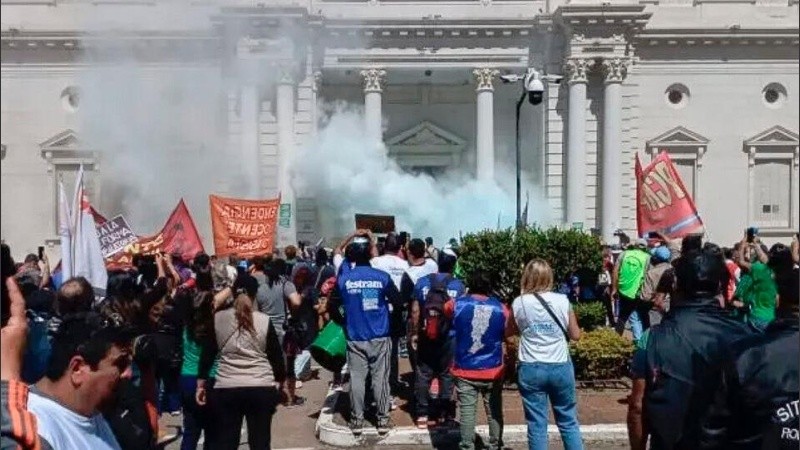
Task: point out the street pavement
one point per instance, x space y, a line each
294 428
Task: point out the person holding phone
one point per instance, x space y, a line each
757 294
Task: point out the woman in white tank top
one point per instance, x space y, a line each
545 322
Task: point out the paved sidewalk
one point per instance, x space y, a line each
292 428
594 406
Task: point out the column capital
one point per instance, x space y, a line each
576 69
373 79
615 69
484 76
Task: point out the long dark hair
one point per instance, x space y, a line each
275 270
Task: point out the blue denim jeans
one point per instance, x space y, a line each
637 327
556 381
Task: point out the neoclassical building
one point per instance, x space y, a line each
712 82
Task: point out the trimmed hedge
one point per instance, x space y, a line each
504 253
601 354
591 315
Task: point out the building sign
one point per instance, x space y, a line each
285 216
114 235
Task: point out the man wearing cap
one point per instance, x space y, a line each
627 281
656 272
365 294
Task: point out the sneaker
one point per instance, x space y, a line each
356 426
298 384
175 413
422 423
385 426
297 401
393 404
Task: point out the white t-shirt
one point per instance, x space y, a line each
67 430
394 265
417 272
541 339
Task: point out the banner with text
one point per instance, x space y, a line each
375 223
114 235
662 202
243 227
178 237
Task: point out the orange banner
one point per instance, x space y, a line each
662 202
243 227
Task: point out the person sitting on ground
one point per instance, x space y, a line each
91 356
480 322
676 365
432 339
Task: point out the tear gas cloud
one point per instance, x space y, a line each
163 133
348 175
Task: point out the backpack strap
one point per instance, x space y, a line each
552 315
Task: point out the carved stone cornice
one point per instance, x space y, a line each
576 70
373 79
615 69
484 76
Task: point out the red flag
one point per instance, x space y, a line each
179 236
662 201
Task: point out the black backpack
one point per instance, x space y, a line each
435 326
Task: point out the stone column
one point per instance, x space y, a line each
485 123
250 106
576 141
373 103
287 234
316 81
611 209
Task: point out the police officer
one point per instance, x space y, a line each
365 294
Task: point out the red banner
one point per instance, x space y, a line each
179 236
243 227
662 202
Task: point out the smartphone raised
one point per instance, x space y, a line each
41 252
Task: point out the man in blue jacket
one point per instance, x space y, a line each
365 294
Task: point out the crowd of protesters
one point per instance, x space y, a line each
226 340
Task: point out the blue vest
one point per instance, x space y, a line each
455 288
366 310
480 331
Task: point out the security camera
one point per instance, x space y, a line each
534 87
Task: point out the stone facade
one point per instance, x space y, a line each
712 82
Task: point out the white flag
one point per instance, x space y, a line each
89 261
65 232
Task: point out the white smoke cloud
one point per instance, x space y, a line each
163 134
347 175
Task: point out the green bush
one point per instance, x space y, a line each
601 354
591 315
504 253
